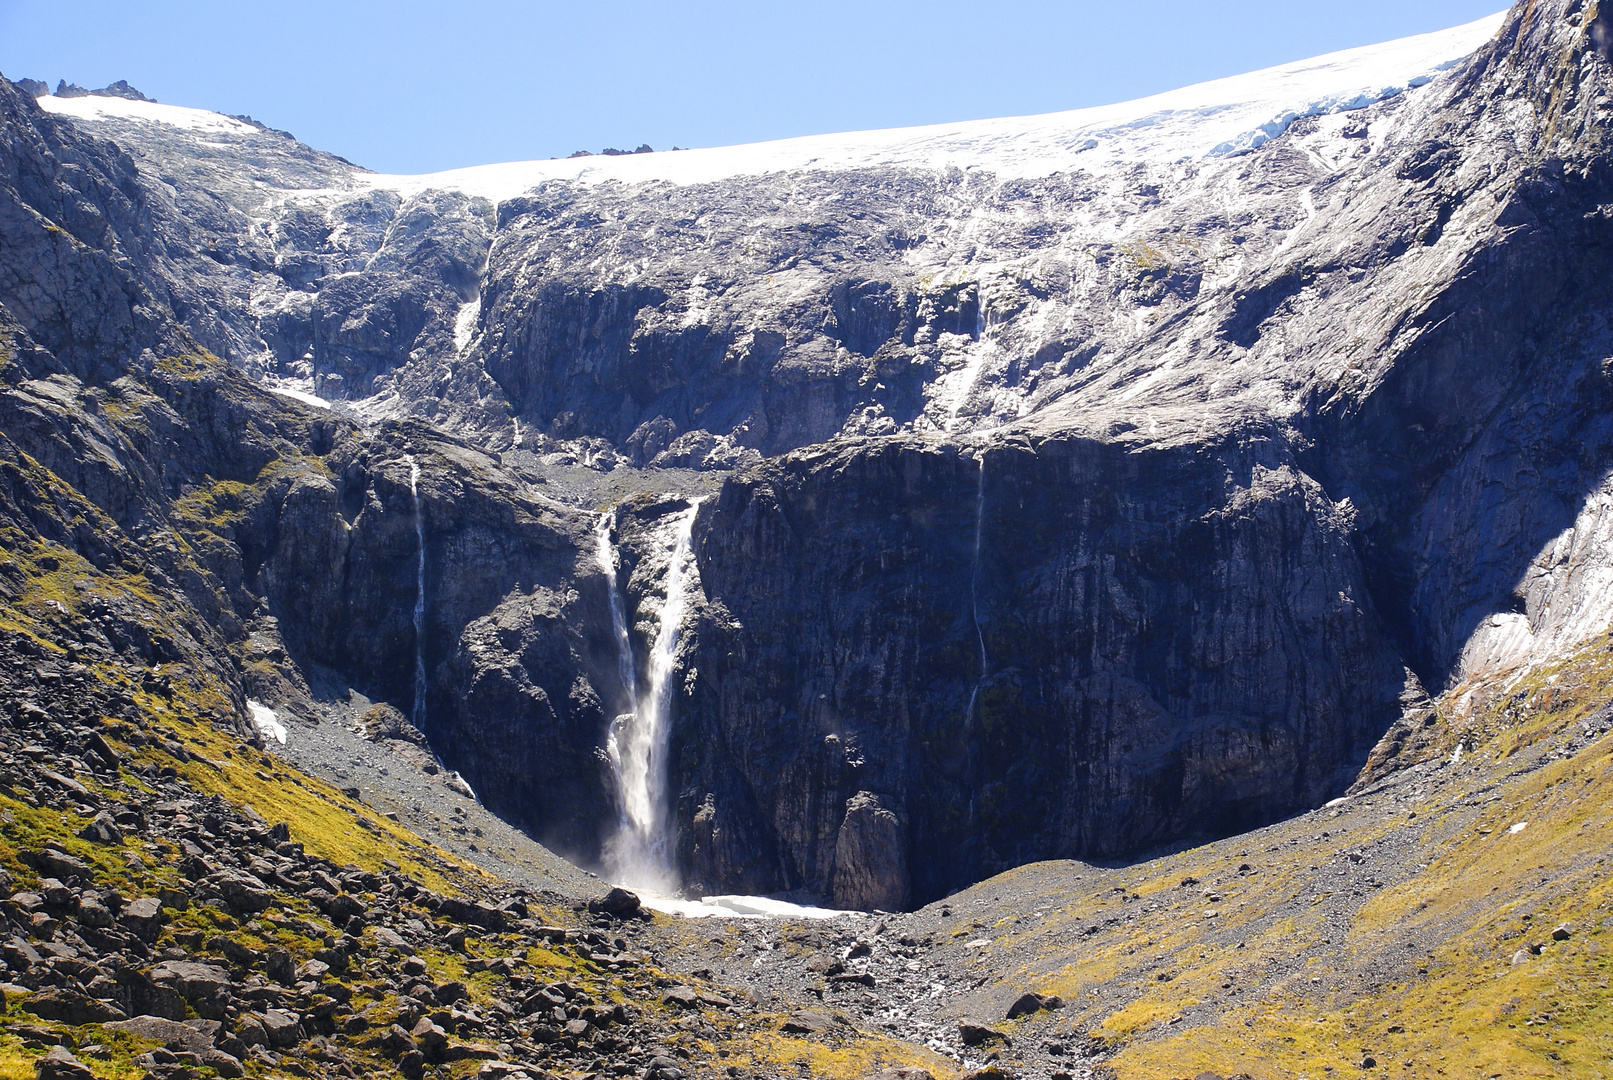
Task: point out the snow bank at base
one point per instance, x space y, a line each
739 907
265 720
1207 120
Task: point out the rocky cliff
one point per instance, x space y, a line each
1076 485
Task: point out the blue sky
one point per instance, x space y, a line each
415 87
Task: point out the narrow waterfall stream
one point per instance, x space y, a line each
639 854
974 582
605 556
419 713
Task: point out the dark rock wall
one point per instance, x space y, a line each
1176 640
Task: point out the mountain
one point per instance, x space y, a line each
1065 486
1145 566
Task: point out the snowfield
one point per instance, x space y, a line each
1212 119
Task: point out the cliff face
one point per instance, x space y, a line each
1038 648
1052 511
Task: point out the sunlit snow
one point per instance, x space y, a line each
739 907
299 395
265 720
1212 119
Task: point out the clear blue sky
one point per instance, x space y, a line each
413 87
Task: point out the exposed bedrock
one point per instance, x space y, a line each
1148 643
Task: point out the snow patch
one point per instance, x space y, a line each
265 720
465 323
1518 828
95 108
298 395
739 907
455 782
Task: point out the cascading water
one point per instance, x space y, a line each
639 855
974 581
605 555
419 717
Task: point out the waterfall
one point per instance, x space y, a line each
419 717
605 555
974 581
639 854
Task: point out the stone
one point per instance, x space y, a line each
92 912
58 864
618 902
806 1022
429 1037
281 1028
60 1064
280 966
871 857
192 980
684 997
70 1007
1026 1004
143 917
241 890
901 1072
251 1032
972 1034
171 1033
1562 933
225 1065
102 830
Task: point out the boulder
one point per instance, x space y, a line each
241 890
1029 1003
70 1007
225 1065
92 912
193 981
431 1039
871 857
281 967
102 830
143 918
618 902
57 864
972 1034
60 1064
281 1028
806 1022
171 1033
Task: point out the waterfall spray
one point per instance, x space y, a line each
419 716
639 854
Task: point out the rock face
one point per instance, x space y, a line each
871 857
1069 505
